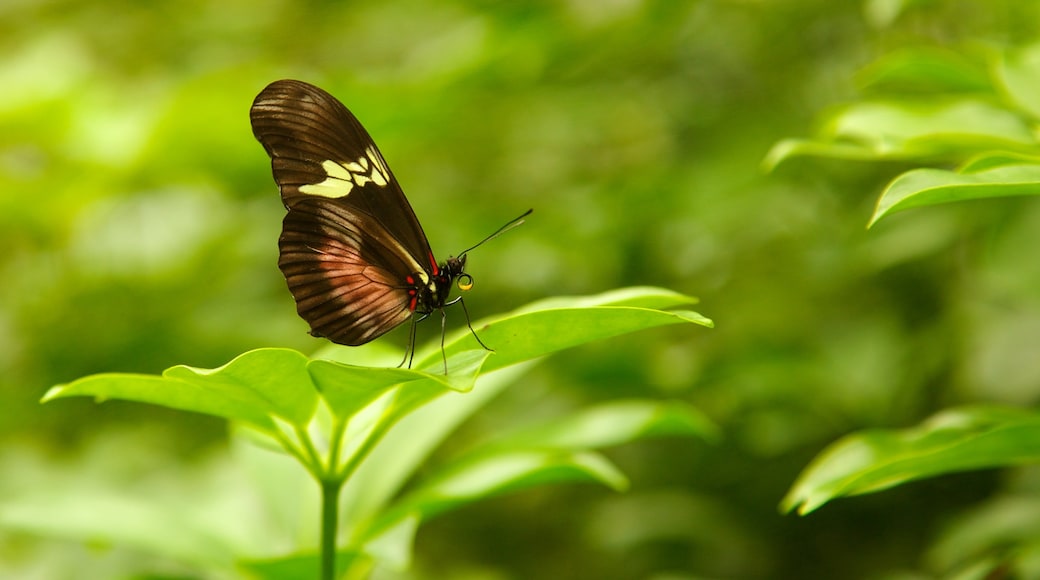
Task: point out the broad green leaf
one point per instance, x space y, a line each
163 391
955 440
350 388
274 377
252 388
559 323
922 187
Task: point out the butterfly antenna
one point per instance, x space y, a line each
512 224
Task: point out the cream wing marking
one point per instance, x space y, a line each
342 177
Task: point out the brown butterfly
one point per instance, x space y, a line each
352 251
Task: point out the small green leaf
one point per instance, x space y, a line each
922 187
952 441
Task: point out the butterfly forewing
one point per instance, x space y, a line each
351 246
319 149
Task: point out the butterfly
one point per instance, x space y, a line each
354 256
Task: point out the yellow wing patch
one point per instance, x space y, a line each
342 177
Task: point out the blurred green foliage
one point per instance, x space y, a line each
139 225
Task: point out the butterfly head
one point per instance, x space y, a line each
454 269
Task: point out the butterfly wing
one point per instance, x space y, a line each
351 245
319 149
344 270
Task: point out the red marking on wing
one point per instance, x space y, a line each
433 265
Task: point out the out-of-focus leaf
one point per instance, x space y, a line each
485 476
922 187
993 159
298 565
952 441
613 423
556 451
904 131
1018 72
925 69
399 453
119 519
1011 520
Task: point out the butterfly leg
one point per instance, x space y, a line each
409 351
444 318
470 325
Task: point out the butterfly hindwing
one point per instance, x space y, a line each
344 270
319 149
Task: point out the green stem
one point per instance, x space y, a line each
330 488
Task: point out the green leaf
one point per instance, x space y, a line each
350 388
922 187
560 323
952 441
275 378
254 387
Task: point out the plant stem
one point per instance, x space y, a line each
330 488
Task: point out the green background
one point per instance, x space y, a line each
138 226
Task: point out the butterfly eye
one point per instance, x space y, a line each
465 282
